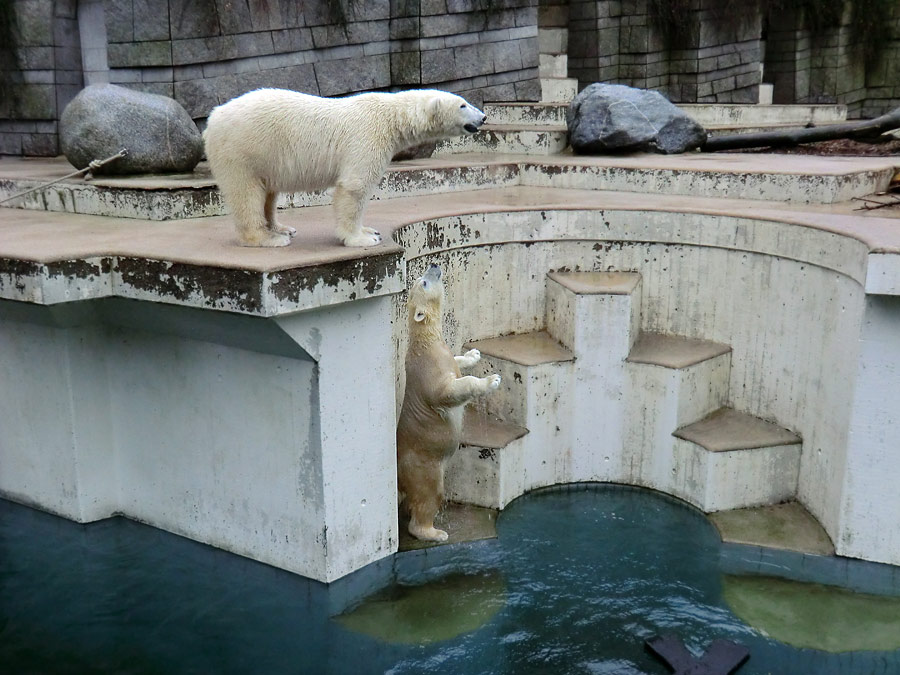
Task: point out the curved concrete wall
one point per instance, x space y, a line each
788 299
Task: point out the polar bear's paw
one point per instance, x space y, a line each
473 355
428 533
266 240
493 382
285 229
363 239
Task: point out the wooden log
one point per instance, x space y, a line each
798 136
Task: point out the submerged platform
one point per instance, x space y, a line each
247 397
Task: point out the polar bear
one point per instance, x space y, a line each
430 424
275 140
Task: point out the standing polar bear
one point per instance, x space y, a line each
275 140
430 424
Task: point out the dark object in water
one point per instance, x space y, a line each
721 658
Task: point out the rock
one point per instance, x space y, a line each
103 118
614 118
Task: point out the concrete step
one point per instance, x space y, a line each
558 88
553 40
462 522
487 469
732 460
787 526
736 114
594 311
499 138
672 382
553 65
596 315
527 114
692 375
536 374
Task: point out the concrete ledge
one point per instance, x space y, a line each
488 164
728 430
674 351
783 526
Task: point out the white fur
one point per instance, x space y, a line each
469 359
275 140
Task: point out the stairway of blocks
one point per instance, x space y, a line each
593 398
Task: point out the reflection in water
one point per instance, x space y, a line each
815 616
433 611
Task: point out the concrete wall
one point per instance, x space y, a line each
792 319
248 434
205 52
873 451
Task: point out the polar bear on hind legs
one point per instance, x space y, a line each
430 424
275 140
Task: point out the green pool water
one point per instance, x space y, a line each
576 581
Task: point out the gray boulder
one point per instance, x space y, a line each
607 118
103 118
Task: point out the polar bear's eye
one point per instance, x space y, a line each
424 284
463 105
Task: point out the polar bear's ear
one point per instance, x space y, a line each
419 316
434 105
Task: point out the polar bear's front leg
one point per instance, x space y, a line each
469 359
463 389
271 210
348 208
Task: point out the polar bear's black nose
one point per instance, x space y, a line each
484 119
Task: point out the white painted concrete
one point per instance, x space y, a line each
660 401
530 140
869 525
268 439
600 330
738 114
553 65
486 477
558 88
716 481
788 300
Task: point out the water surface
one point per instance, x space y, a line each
577 580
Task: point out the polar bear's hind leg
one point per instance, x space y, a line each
348 208
271 211
246 197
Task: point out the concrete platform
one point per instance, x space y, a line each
486 431
528 349
461 522
783 526
673 351
597 283
726 430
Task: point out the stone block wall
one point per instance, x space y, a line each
40 72
619 41
829 66
205 52
883 75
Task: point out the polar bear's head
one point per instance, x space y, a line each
453 115
426 298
